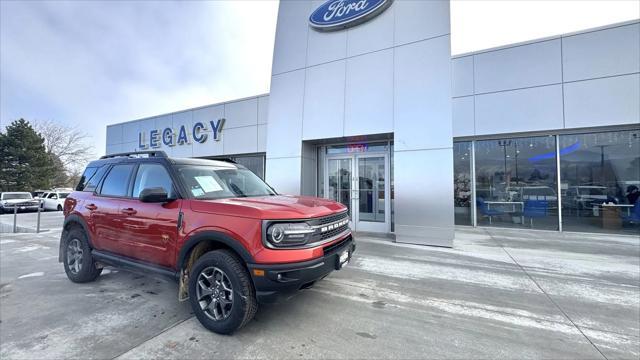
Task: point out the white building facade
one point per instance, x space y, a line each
375 113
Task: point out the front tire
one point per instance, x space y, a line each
59 208
77 259
221 293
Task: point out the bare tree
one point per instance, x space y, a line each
69 144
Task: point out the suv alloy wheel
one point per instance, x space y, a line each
220 291
78 262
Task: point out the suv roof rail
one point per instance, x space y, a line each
225 159
152 153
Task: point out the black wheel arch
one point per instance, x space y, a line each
71 221
214 237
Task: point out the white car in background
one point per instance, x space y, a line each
585 197
54 199
20 200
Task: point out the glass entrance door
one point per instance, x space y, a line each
360 182
339 181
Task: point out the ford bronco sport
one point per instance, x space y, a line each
226 236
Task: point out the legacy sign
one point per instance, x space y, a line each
199 132
340 14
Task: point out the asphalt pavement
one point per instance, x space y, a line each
497 294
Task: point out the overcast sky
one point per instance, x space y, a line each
89 64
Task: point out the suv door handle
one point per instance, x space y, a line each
128 211
91 207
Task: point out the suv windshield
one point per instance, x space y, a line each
16 196
211 182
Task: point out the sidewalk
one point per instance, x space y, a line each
27 221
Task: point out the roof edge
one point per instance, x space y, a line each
191 109
548 38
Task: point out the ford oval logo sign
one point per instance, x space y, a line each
340 14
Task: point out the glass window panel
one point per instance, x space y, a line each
600 177
391 188
462 182
320 181
93 178
516 183
339 181
117 181
371 197
255 163
151 176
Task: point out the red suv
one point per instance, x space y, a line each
228 238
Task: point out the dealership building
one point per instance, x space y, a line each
368 107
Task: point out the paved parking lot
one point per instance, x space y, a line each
496 294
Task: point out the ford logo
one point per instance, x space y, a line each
340 14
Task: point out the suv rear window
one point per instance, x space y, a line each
117 181
86 176
90 178
94 180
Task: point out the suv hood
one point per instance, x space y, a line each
19 201
270 207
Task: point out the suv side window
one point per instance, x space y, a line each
150 176
117 181
88 173
90 183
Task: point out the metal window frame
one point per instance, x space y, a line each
474 214
559 185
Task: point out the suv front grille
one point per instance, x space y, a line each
328 227
331 233
329 219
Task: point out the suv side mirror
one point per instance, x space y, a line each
154 195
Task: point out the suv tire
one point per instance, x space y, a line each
227 297
77 259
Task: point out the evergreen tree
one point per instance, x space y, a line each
24 162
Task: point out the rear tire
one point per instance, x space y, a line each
59 208
77 259
221 292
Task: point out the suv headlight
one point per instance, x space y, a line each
283 234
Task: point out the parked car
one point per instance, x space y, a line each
584 197
54 199
534 192
21 200
226 236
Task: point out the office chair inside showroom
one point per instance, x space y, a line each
535 209
484 209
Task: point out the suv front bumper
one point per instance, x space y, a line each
280 280
20 207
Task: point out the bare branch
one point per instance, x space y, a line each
68 143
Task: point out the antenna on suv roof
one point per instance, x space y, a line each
154 153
